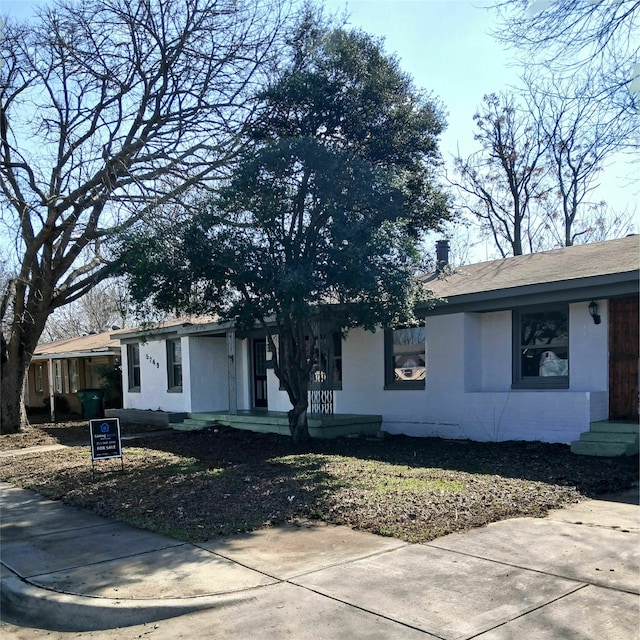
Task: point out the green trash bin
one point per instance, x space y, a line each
92 402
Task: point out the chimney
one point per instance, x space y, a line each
442 255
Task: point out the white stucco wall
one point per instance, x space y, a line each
495 352
153 392
276 399
467 391
243 383
205 376
468 383
209 373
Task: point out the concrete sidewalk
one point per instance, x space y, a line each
574 574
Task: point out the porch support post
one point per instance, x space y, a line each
233 386
52 401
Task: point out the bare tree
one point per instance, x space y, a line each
579 137
566 36
101 309
504 181
110 109
601 223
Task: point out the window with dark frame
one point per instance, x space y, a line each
327 361
541 348
174 364
57 376
39 383
405 358
73 375
133 366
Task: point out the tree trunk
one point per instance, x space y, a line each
13 416
298 424
16 357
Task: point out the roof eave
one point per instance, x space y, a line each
85 353
596 287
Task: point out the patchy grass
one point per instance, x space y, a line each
198 485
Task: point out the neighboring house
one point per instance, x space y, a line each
64 367
534 347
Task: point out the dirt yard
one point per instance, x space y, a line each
198 485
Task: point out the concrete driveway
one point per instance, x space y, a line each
68 573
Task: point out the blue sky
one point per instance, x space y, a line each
446 46
443 44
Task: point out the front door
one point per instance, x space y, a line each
623 358
260 373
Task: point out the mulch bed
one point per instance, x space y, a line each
198 485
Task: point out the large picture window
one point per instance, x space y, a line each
541 348
174 365
133 366
405 358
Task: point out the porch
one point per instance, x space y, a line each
320 426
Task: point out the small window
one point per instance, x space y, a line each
541 348
133 366
174 364
73 375
65 376
57 376
39 384
405 358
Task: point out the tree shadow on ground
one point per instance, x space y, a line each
200 485
533 461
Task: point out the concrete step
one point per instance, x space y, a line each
608 426
328 426
609 438
608 449
193 424
600 436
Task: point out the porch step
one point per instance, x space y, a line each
333 426
608 438
193 424
596 436
606 426
605 449
146 416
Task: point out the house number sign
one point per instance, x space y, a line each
153 361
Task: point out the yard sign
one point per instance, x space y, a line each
105 439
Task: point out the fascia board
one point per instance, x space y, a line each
597 287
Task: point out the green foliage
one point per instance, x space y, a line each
324 211
111 383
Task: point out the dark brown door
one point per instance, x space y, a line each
260 373
623 358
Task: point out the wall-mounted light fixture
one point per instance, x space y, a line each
593 310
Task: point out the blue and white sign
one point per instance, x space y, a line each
105 438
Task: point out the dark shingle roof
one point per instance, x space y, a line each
106 342
589 270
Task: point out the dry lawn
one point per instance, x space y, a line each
198 485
